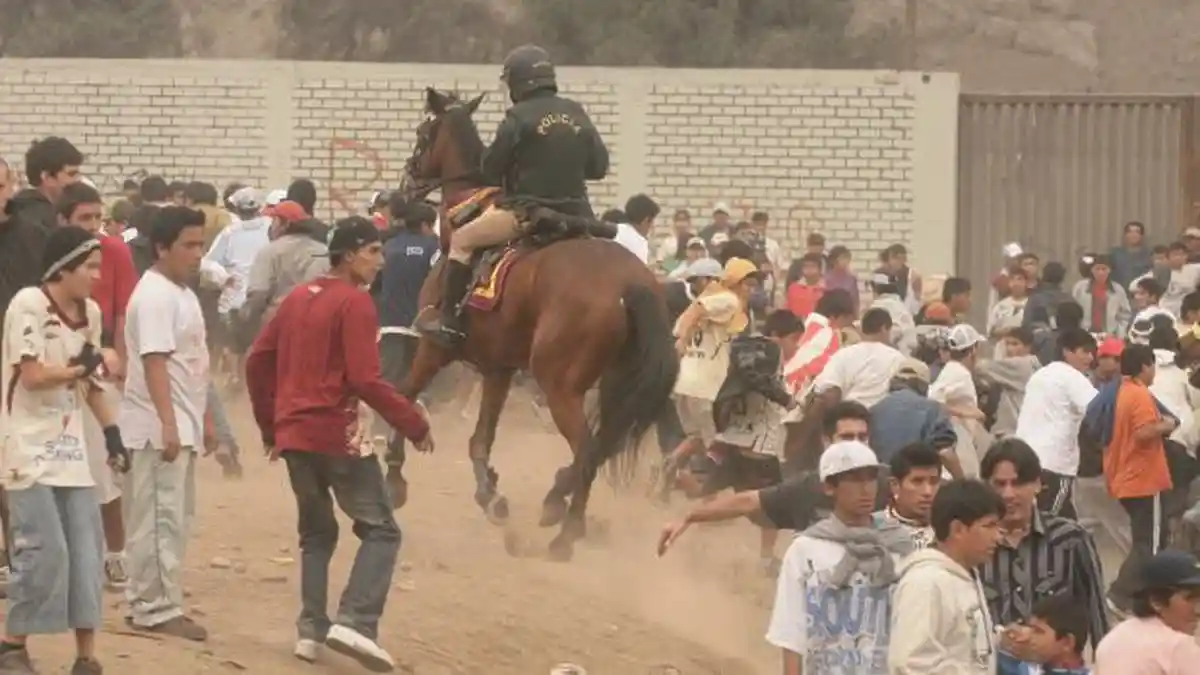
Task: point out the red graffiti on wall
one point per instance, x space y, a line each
344 194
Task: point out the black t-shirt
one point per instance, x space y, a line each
800 501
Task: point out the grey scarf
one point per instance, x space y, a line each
868 549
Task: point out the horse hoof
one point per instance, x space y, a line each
497 510
561 549
553 512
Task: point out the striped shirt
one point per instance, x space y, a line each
1057 556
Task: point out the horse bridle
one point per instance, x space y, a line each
411 186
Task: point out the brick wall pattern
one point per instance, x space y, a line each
838 152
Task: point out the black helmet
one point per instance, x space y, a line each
528 69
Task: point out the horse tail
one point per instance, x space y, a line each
634 391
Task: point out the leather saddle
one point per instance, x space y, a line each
543 226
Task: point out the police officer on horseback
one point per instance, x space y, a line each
545 151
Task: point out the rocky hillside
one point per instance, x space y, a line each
1054 45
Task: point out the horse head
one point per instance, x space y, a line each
448 148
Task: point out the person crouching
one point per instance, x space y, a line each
310 417
746 414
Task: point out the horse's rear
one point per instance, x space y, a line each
588 311
576 313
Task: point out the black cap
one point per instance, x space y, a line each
351 234
1170 569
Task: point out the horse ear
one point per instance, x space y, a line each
473 104
435 102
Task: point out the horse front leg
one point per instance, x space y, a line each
496 386
419 370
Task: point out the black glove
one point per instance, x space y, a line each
89 357
118 454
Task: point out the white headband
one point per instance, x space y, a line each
83 249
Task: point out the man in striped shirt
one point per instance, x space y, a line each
1039 555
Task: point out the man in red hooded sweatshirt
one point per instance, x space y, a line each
312 367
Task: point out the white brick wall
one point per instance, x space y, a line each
822 159
865 157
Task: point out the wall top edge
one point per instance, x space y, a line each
484 73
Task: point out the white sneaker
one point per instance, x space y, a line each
307 650
351 643
115 576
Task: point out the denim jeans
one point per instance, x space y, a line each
396 354
221 424
57 560
358 486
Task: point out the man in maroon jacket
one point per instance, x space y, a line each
311 367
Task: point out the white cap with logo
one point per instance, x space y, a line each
846 456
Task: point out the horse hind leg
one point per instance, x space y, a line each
494 393
571 420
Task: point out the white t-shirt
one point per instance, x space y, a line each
863 372
633 240
43 429
164 318
835 630
954 386
1056 398
705 364
1183 281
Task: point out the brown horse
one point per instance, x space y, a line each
574 312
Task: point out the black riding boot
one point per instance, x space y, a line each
449 330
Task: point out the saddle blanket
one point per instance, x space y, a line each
489 284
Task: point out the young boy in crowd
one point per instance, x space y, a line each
1008 376
803 294
939 613
832 602
745 454
1053 638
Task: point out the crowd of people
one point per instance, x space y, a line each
118 316
944 482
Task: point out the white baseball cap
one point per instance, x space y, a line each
845 456
704 267
963 336
275 197
720 207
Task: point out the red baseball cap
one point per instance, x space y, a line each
1111 347
287 211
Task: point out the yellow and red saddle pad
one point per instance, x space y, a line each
486 293
482 198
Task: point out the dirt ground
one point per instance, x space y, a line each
459 603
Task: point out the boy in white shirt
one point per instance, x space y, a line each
51 352
955 389
833 599
1056 399
863 372
702 335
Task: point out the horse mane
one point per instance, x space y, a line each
462 126
466 134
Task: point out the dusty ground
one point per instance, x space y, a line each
459 603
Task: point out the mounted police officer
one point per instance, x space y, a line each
545 151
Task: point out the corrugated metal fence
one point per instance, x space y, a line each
1061 174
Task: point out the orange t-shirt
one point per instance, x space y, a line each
1135 468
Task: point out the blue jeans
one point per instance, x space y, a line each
358 486
221 424
57 581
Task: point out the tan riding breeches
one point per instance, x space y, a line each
495 226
